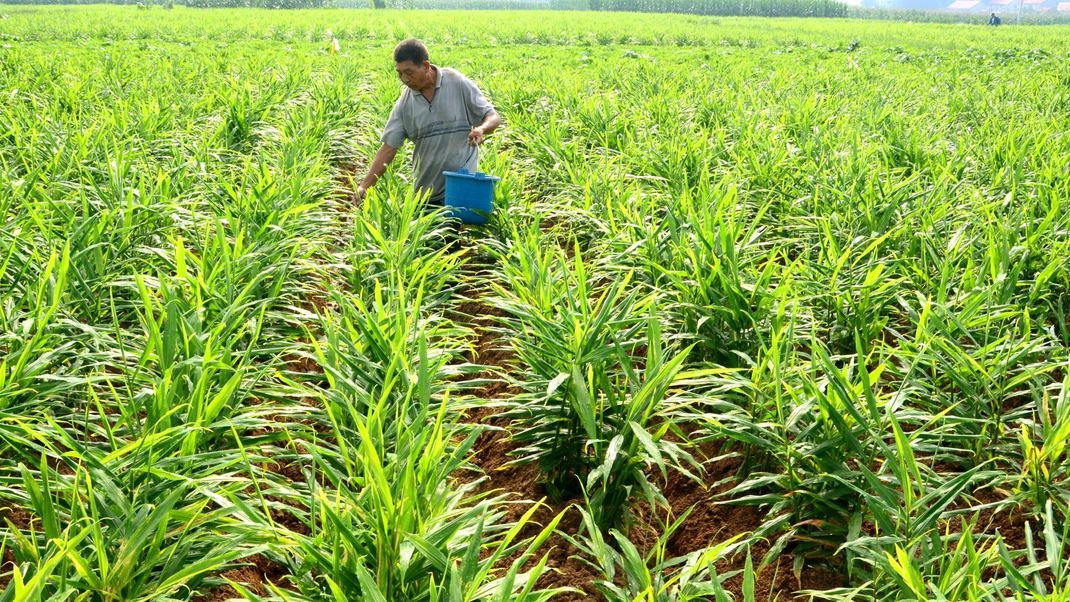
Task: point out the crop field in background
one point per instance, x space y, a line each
768 309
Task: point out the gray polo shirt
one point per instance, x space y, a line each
439 128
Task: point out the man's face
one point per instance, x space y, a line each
414 76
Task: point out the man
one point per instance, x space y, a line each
442 112
994 19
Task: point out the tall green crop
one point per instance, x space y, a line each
813 267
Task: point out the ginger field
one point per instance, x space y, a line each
769 309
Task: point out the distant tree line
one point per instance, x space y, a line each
771 8
130 2
765 8
257 3
193 3
758 8
1030 17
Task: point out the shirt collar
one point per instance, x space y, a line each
438 76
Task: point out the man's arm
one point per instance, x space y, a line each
479 108
478 133
383 158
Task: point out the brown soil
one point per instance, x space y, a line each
1008 521
708 523
277 422
348 177
302 364
288 520
18 517
521 483
262 570
289 471
259 570
491 454
488 348
778 582
258 573
21 519
317 302
58 462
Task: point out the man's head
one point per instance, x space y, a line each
413 64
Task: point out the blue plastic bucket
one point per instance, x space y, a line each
469 196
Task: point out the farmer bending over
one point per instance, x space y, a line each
442 112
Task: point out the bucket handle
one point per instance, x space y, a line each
471 154
463 169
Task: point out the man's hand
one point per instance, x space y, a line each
475 137
382 158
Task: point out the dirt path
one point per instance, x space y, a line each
708 523
493 450
259 570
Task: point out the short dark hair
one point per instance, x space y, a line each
411 50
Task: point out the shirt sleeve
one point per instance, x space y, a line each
394 133
477 104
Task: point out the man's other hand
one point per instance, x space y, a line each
475 137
